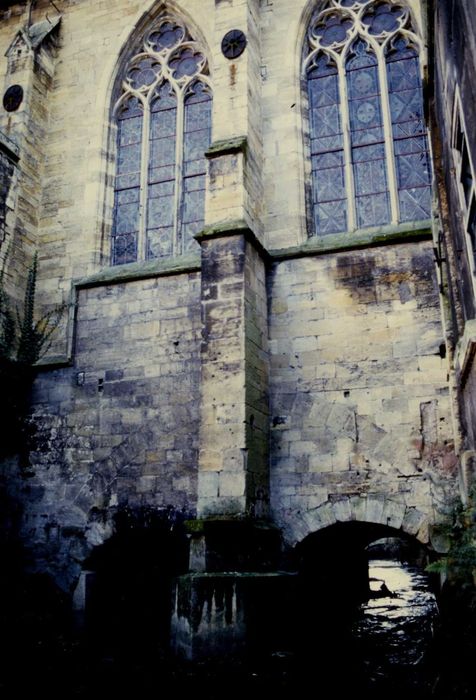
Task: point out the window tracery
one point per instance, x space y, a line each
163 118
368 144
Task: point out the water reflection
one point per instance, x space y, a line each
394 631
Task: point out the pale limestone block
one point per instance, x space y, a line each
208 484
210 460
320 463
232 483
302 447
419 495
306 343
313 520
432 363
310 489
317 499
327 515
413 521
423 534
146 484
342 510
358 506
393 513
374 509
294 529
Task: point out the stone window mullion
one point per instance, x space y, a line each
142 235
349 176
179 144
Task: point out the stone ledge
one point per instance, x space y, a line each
54 362
226 147
139 271
234 227
362 238
465 351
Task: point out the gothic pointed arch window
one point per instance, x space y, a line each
369 155
162 109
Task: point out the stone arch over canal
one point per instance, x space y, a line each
379 510
344 608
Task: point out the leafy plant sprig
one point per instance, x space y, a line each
459 564
24 340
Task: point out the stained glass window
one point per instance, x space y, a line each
127 195
327 155
196 140
367 137
163 116
410 142
368 145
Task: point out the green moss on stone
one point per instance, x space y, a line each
384 235
143 270
230 227
227 146
194 527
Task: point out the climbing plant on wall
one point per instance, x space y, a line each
23 341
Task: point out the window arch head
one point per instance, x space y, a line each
367 138
162 110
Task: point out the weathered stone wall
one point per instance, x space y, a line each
166 401
455 99
222 480
119 429
455 53
29 63
359 395
6 176
257 382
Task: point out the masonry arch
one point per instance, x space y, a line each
336 558
382 510
336 584
315 6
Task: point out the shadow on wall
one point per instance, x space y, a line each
128 599
128 612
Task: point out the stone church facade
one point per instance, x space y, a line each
269 312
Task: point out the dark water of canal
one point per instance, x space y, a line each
384 648
394 631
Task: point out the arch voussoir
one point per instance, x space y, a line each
375 509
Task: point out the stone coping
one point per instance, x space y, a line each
362 238
225 147
119 274
236 227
